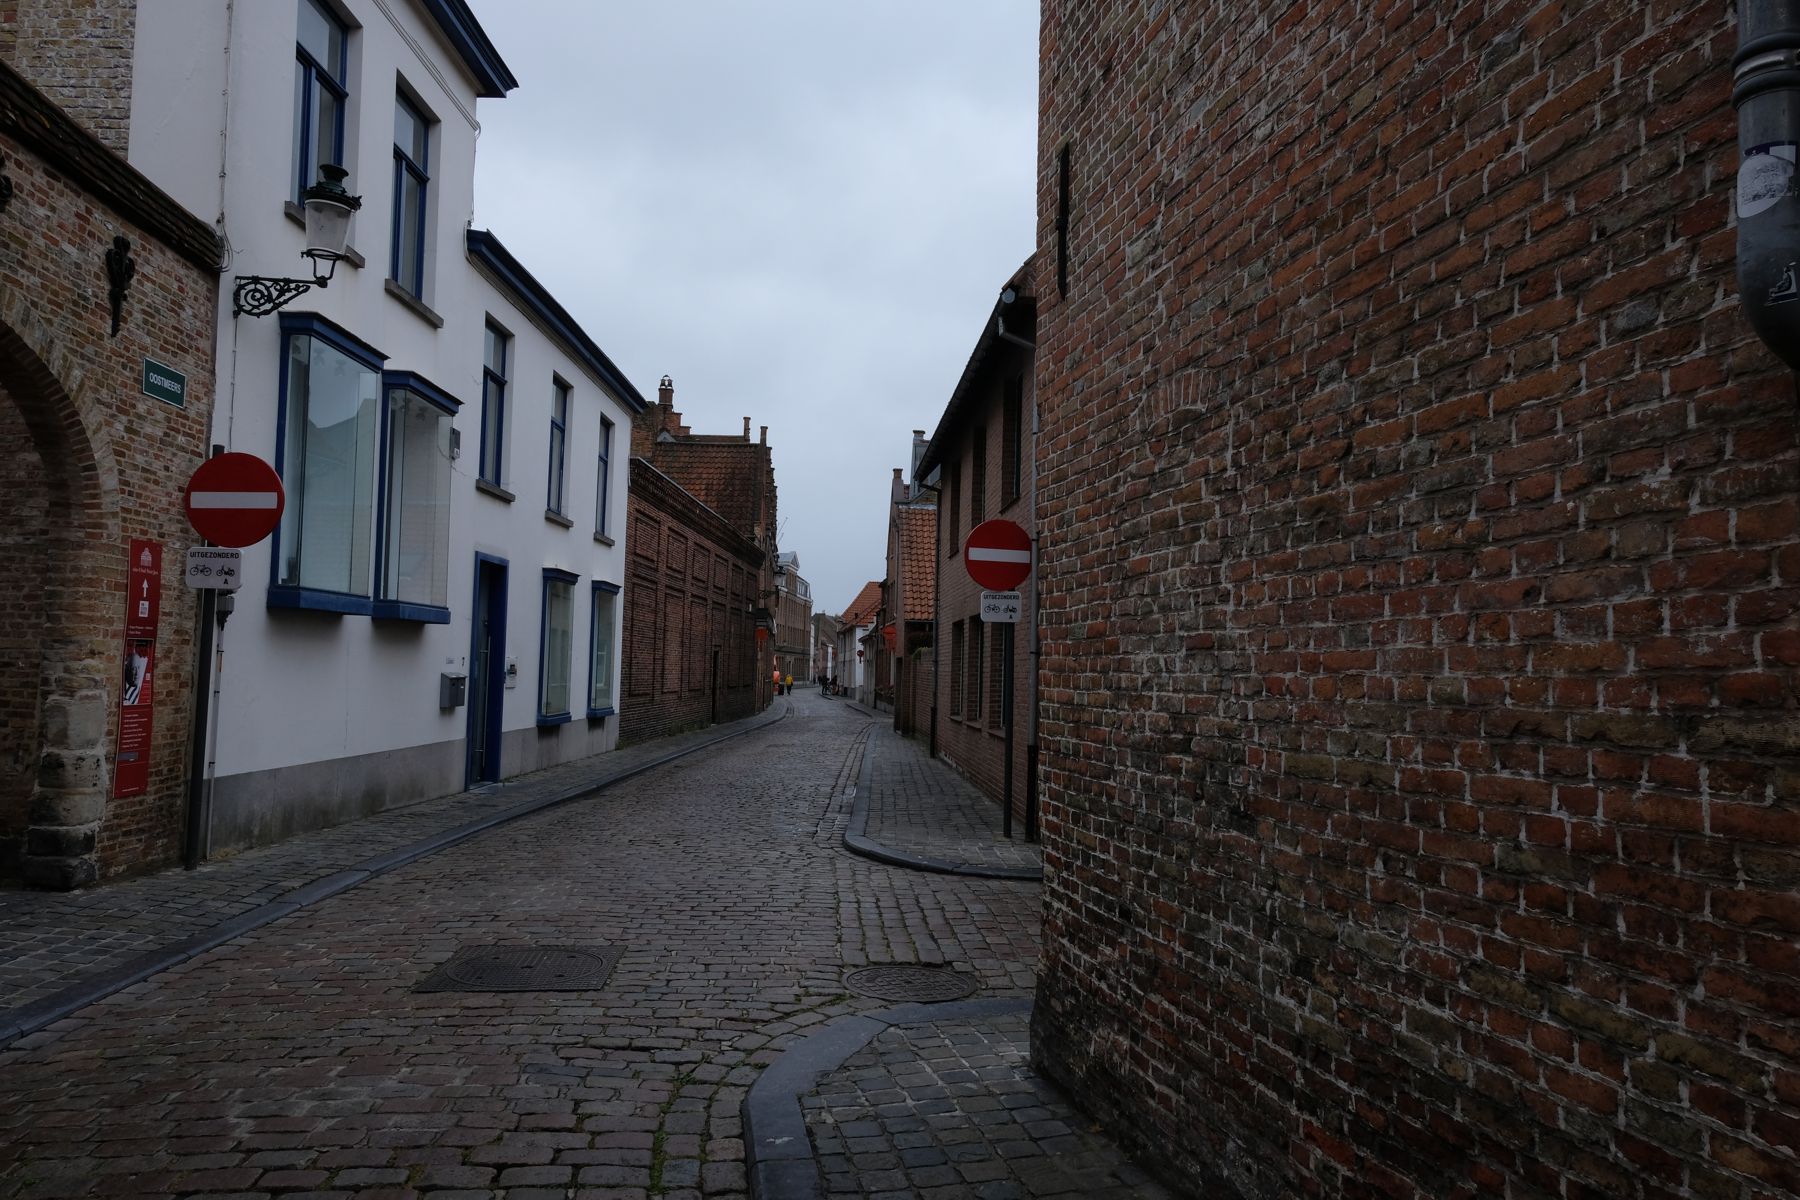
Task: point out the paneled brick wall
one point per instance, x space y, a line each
1420 584
689 586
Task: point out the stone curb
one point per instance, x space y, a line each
857 841
30 1018
778 1153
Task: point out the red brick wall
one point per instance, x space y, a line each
974 742
24 542
91 462
1419 559
688 589
78 53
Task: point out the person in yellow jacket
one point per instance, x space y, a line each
790 683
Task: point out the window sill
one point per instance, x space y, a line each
604 540
600 714
552 720
556 518
399 610
315 600
409 301
494 490
297 215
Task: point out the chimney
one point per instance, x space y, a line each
665 392
746 429
764 440
918 455
900 492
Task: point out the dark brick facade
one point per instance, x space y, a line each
690 648
87 462
78 54
1419 561
982 452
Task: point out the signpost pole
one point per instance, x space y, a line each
202 720
1006 698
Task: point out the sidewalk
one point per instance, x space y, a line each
927 1101
62 951
912 810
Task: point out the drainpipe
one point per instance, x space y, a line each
1766 94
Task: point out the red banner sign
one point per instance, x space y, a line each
143 608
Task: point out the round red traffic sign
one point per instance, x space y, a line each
997 555
234 499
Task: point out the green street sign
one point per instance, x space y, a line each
165 383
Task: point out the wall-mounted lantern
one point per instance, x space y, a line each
329 207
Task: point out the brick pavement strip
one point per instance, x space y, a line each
298 1055
62 951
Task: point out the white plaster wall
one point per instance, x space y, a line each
303 687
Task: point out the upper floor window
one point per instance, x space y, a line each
602 509
493 404
412 180
321 89
330 441
1012 437
978 477
559 447
953 511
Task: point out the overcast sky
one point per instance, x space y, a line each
801 211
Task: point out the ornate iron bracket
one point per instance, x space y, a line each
120 268
6 186
260 295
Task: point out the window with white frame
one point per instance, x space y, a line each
556 646
603 630
603 480
493 404
415 554
558 476
321 94
412 181
330 441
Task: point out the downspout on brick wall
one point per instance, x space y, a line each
1766 95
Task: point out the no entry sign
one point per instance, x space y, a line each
234 499
998 555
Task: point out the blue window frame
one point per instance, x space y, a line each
603 628
603 477
327 450
556 646
414 521
412 182
559 447
493 404
321 93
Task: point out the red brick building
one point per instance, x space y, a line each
1418 547
701 581
101 276
981 454
908 601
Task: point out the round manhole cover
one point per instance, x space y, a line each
524 969
922 985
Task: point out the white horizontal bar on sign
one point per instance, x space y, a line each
233 500
988 554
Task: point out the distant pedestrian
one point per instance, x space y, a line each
790 683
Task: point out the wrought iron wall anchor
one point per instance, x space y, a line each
6 186
120 267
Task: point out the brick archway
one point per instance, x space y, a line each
57 632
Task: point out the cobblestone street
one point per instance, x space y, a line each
298 1060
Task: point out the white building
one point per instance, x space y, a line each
439 605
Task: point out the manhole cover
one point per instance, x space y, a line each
524 969
923 985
